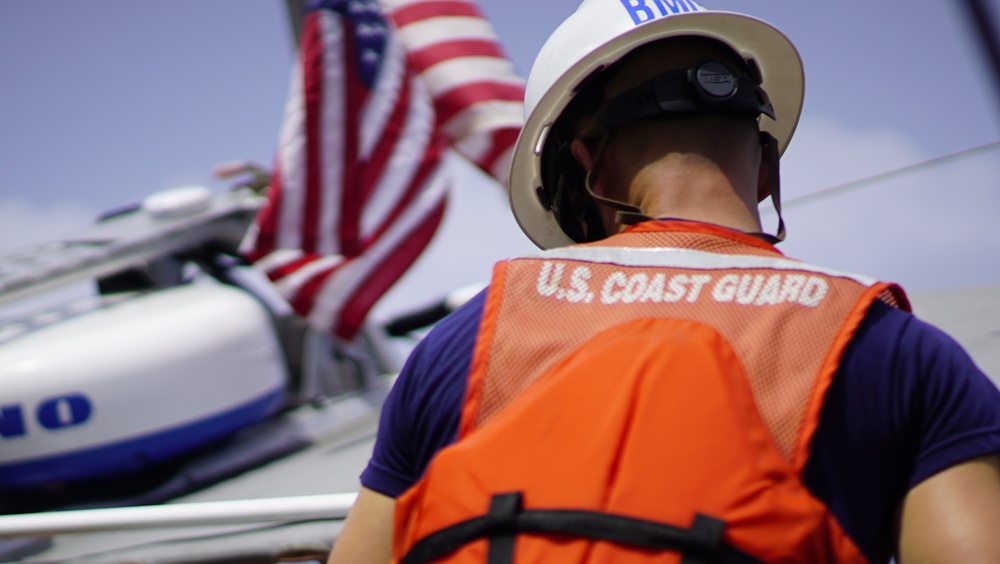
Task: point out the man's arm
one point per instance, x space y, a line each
953 515
367 533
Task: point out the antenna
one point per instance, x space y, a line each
296 10
982 19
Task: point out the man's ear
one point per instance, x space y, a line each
582 154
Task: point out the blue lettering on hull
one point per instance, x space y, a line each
134 454
53 413
11 421
65 411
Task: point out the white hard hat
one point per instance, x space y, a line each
600 33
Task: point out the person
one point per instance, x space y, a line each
661 383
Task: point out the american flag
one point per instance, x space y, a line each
379 92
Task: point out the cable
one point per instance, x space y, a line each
825 192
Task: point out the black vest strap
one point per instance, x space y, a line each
701 544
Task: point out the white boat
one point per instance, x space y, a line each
185 379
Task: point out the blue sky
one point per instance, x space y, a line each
106 101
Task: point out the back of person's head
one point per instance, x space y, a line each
717 135
650 71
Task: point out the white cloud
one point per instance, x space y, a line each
931 228
824 153
926 229
23 224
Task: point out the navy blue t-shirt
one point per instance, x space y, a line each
906 403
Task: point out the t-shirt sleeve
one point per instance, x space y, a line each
954 407
421 414
906 403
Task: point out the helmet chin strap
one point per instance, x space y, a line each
770 145
627 214
623 210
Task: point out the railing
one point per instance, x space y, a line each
264 510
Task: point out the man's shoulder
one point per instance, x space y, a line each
906 402
421 414
924 386
891 329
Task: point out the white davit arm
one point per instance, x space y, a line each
166 222
265 510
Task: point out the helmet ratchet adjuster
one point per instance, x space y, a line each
711 86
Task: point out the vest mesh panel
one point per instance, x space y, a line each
535 332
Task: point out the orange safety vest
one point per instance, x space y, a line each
647 398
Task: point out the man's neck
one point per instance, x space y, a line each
695 194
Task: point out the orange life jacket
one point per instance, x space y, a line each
650 397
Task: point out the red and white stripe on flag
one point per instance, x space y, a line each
478 95
358 188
